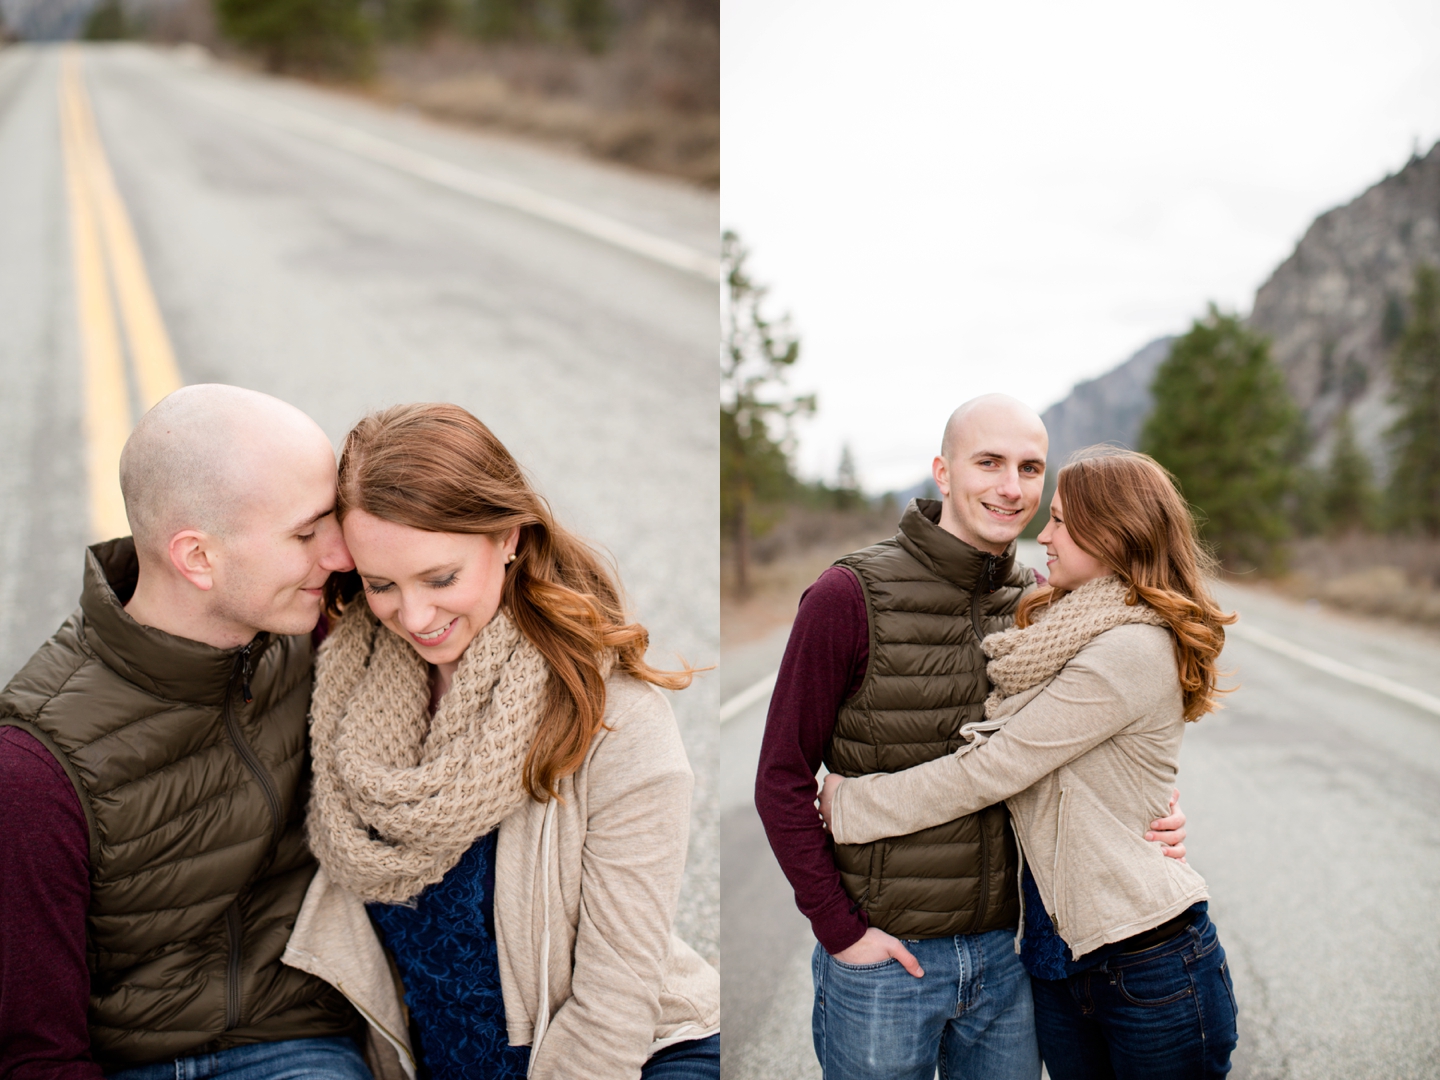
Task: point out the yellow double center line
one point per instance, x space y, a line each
102 239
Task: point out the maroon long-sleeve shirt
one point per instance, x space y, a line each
44 895
825 662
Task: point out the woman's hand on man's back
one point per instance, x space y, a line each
1170 831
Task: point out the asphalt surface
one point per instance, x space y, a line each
1313 805
288 257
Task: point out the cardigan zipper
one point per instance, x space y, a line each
982 909
247 755
235 930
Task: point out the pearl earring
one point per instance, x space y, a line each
509 558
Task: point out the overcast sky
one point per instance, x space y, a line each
952 198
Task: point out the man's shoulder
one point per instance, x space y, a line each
881 549
837 584
834 603
48 671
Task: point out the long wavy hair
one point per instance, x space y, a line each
1126 510
436 467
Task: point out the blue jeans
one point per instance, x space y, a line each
1167 1013
293 1059
696 1059
970 1015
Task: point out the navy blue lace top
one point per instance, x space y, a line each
1044 952
445 947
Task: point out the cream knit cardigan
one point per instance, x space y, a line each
593 977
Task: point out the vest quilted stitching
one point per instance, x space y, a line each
924 680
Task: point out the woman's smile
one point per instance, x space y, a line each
435 637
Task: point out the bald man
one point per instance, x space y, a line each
152 764
915 966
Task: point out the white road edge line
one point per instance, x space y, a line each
1390 687
747 697
487 188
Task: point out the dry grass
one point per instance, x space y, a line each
1389 577
788 559
652 100
1395 577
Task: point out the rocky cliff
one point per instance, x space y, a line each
1332 310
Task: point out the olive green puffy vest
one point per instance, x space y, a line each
927 593
195 804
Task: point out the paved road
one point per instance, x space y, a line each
1313 805
285 257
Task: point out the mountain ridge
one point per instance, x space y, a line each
1332 311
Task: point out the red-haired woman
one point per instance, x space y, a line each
1092 690
497 777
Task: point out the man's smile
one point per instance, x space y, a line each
1001 511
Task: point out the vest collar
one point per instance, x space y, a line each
946 555
170 667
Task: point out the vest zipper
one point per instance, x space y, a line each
234 929
247 755
233 924
986 578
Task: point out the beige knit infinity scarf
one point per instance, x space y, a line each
399 796
1020 659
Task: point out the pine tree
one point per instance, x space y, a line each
848 495
755 411
312 35
1414 494
591 23
1224 423
1350 501
413 20
106 23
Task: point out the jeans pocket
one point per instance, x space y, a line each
864 967
1161 981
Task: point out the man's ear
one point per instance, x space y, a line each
941 472
191 554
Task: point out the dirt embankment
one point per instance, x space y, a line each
1389 577
1394 577
650 100
788 559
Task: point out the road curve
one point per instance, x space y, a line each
285 261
